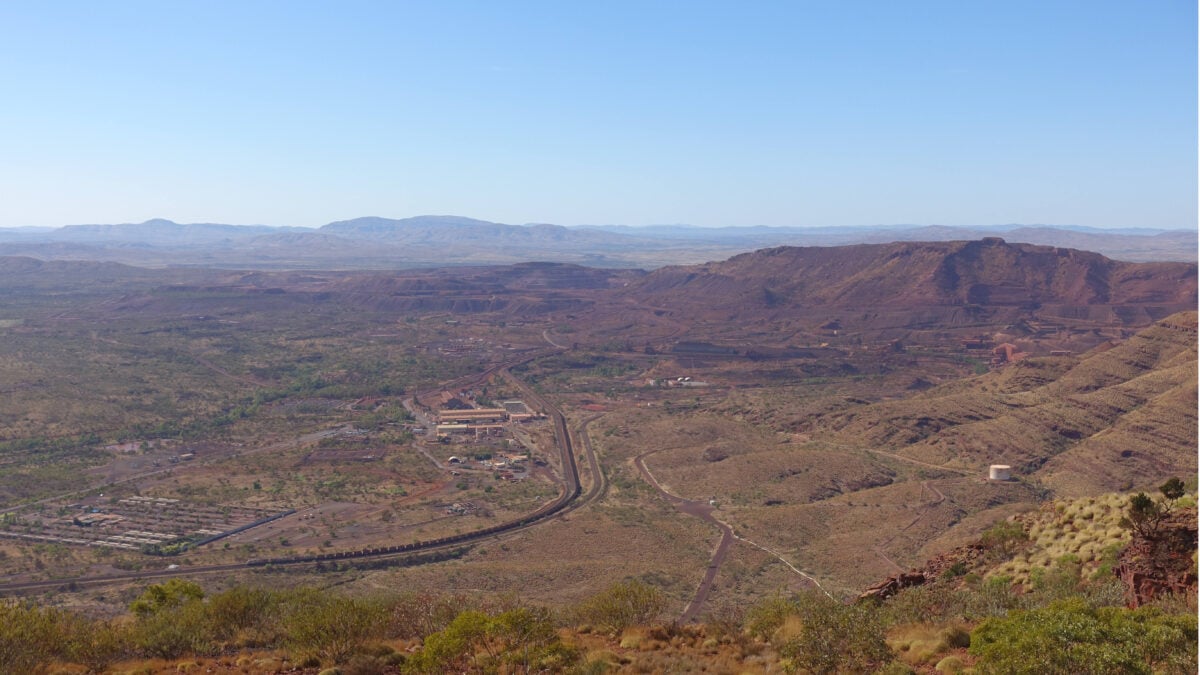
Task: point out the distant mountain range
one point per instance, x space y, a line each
423 241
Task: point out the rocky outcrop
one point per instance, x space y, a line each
953 563
1160 562
893 585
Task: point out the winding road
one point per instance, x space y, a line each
703 511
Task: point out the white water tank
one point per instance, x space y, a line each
1000 472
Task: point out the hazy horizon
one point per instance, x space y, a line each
978 226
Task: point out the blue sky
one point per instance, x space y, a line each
711 113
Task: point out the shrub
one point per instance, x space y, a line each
417 615
725 621
1071 637
174 631
768 616
331 628
93 643
1057 582
958 569
1004 538
246 616
522 637
940 602
171 593
524 634
833 637
622 605
29 637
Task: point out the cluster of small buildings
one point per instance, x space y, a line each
1001 354
1006 353
100 519
505 460
481 421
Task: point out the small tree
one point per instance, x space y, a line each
172 593
1173 489
1146 514
1004 539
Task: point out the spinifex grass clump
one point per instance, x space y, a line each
1086 531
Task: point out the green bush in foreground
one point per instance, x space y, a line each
816 634
475 641
1071 637
624 604
1062 624
175 631
29 637
94 643
169 594
331 628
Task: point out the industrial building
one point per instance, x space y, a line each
472 416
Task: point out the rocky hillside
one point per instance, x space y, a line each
1083 539
971 277
1120 416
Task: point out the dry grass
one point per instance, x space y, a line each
922 646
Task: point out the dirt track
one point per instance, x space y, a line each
703 511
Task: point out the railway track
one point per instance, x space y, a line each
568 500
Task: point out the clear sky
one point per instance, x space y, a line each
804 113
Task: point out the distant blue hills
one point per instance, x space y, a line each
382 243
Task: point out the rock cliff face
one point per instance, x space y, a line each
1161 562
